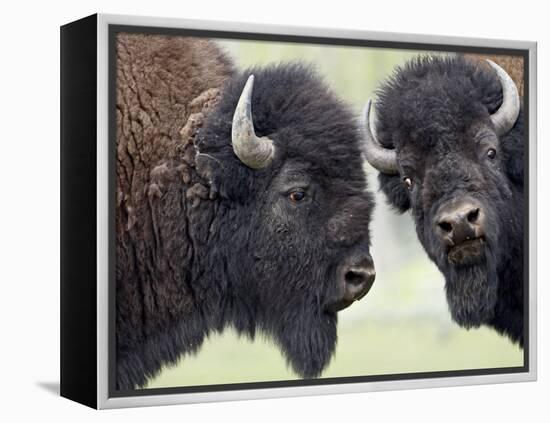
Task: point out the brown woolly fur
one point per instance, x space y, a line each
205 242
164 86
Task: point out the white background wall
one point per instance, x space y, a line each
29 209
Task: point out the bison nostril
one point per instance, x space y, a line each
354 278
358 281
445 226
473 215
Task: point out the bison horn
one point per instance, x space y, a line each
505 117
255 152
382 159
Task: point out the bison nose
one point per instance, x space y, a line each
358 278
460 221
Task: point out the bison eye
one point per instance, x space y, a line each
491 153
408 182
297 196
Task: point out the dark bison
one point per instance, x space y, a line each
241 202
448 142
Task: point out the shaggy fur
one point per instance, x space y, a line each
203 241
435 112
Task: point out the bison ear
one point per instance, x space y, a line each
395 192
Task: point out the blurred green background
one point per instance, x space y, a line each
403 324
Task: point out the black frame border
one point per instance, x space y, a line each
114 29
78 211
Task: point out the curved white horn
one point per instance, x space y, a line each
253 151
505 117
382 159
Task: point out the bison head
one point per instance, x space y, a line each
284 156
448 145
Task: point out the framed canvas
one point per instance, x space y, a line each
252 211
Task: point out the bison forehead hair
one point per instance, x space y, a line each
435 113
298 111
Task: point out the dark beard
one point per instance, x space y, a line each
472 292
308 342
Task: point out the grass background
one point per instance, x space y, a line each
403 324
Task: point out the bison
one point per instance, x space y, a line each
241 202
448 142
